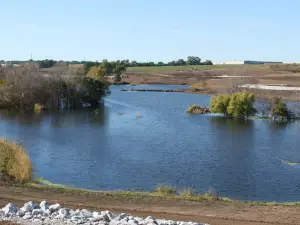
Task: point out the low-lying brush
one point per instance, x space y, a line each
196 109
187 192
14 161
165 189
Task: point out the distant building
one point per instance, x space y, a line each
249 62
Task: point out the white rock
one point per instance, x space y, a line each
86 213
47 213
28 206
96 214
36 212
20 213
53 215
27 217
9 209
121 216
64 212
55 207
44 205
109 214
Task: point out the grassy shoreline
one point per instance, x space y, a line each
141 196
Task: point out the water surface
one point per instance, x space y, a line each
137 140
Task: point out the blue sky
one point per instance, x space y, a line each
150 30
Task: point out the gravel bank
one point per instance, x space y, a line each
43 213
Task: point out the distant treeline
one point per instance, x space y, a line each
47 63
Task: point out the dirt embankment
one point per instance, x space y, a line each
212 212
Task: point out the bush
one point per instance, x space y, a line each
14 161
196 109
278 107
187 192
241 105
219 104
199 86
164 189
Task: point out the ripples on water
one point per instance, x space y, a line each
137 140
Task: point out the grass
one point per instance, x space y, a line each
14 161
165 189
187 192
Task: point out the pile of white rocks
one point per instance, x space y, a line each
43 213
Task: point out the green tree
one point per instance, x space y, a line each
193 60
279 108
219 104
241 105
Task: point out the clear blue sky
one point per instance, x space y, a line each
150 30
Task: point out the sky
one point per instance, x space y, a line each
150 30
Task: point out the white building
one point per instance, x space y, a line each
249 62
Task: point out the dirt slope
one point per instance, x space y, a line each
214 213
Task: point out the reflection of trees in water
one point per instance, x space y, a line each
63 118
236 125
79 117
22 117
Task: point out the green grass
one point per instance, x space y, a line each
14 161
164 192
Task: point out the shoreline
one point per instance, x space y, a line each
211 211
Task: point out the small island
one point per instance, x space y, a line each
196 109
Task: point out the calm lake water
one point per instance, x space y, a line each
140 139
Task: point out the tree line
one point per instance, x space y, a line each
47 63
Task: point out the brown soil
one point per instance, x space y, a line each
259 75
212 212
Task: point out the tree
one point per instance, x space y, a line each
96 72
193 60
279 108
219 104
241 105
118 69
180 62
207 62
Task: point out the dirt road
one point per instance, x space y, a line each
212 212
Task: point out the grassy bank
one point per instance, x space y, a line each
14 161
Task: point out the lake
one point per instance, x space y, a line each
137 140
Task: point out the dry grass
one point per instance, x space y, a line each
187 192
14 161
165 189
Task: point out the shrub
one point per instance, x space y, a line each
219 104
187 192
14 161
279 108
25 86
241 105
199 86
196 109
164 189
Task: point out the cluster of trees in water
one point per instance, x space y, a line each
47 63
241 105
26 87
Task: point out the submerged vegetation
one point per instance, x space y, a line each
14 161
239 104
196 109
25 87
